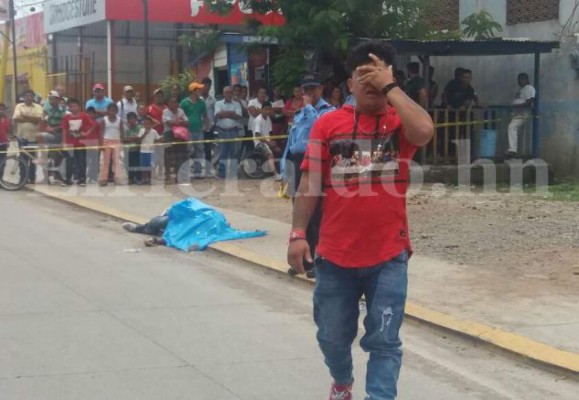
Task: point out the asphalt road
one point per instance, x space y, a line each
86 312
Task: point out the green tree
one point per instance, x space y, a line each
323 30
481 26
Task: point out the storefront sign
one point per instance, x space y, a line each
60 15
187 11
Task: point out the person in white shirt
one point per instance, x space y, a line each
262 128
148 137
521 112
128 103
254 106
228 117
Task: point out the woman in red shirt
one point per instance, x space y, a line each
294 104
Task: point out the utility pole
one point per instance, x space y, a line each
147 52
14 59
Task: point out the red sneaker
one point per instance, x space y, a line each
341 392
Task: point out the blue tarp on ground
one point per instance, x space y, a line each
193 225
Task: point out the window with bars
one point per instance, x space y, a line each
444 14
524 11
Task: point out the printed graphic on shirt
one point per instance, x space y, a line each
355 160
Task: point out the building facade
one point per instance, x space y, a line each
106 38
495 78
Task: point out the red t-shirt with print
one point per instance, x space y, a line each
80 122
364 161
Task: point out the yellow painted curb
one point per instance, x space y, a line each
505 340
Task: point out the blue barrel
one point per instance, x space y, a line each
488 143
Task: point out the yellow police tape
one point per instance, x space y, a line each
217 141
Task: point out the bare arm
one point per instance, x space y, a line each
307 198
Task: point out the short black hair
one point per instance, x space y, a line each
91 109
266 104
112 106
360 54
458 72
467 71
237 86
413 67
523 75
207 81
72 101
132 115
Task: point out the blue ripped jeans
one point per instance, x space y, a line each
336 311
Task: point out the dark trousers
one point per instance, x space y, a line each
79 155
294 162
155 227
3 148
208 147
133 165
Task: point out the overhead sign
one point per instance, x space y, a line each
60 15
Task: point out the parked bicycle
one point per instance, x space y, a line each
21 158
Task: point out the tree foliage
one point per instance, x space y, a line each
323 30
481 26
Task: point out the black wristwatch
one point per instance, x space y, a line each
386 89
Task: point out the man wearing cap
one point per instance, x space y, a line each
99 102
196 111
128 103
314 107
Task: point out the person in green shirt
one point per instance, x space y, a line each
132 154
196 111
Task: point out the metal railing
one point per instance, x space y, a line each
475 133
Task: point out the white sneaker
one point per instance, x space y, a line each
278 177
129 226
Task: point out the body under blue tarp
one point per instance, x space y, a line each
193 225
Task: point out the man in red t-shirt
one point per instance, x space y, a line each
358 159
76 128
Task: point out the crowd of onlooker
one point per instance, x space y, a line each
128 141
173 137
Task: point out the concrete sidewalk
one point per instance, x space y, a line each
538 325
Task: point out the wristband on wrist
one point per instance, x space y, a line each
386 89
297 234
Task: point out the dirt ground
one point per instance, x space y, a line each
528 235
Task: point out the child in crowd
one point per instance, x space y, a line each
142 112
76 126
93 142
5 127
148 137
262 127
112 133
133 153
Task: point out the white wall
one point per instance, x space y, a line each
494 78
